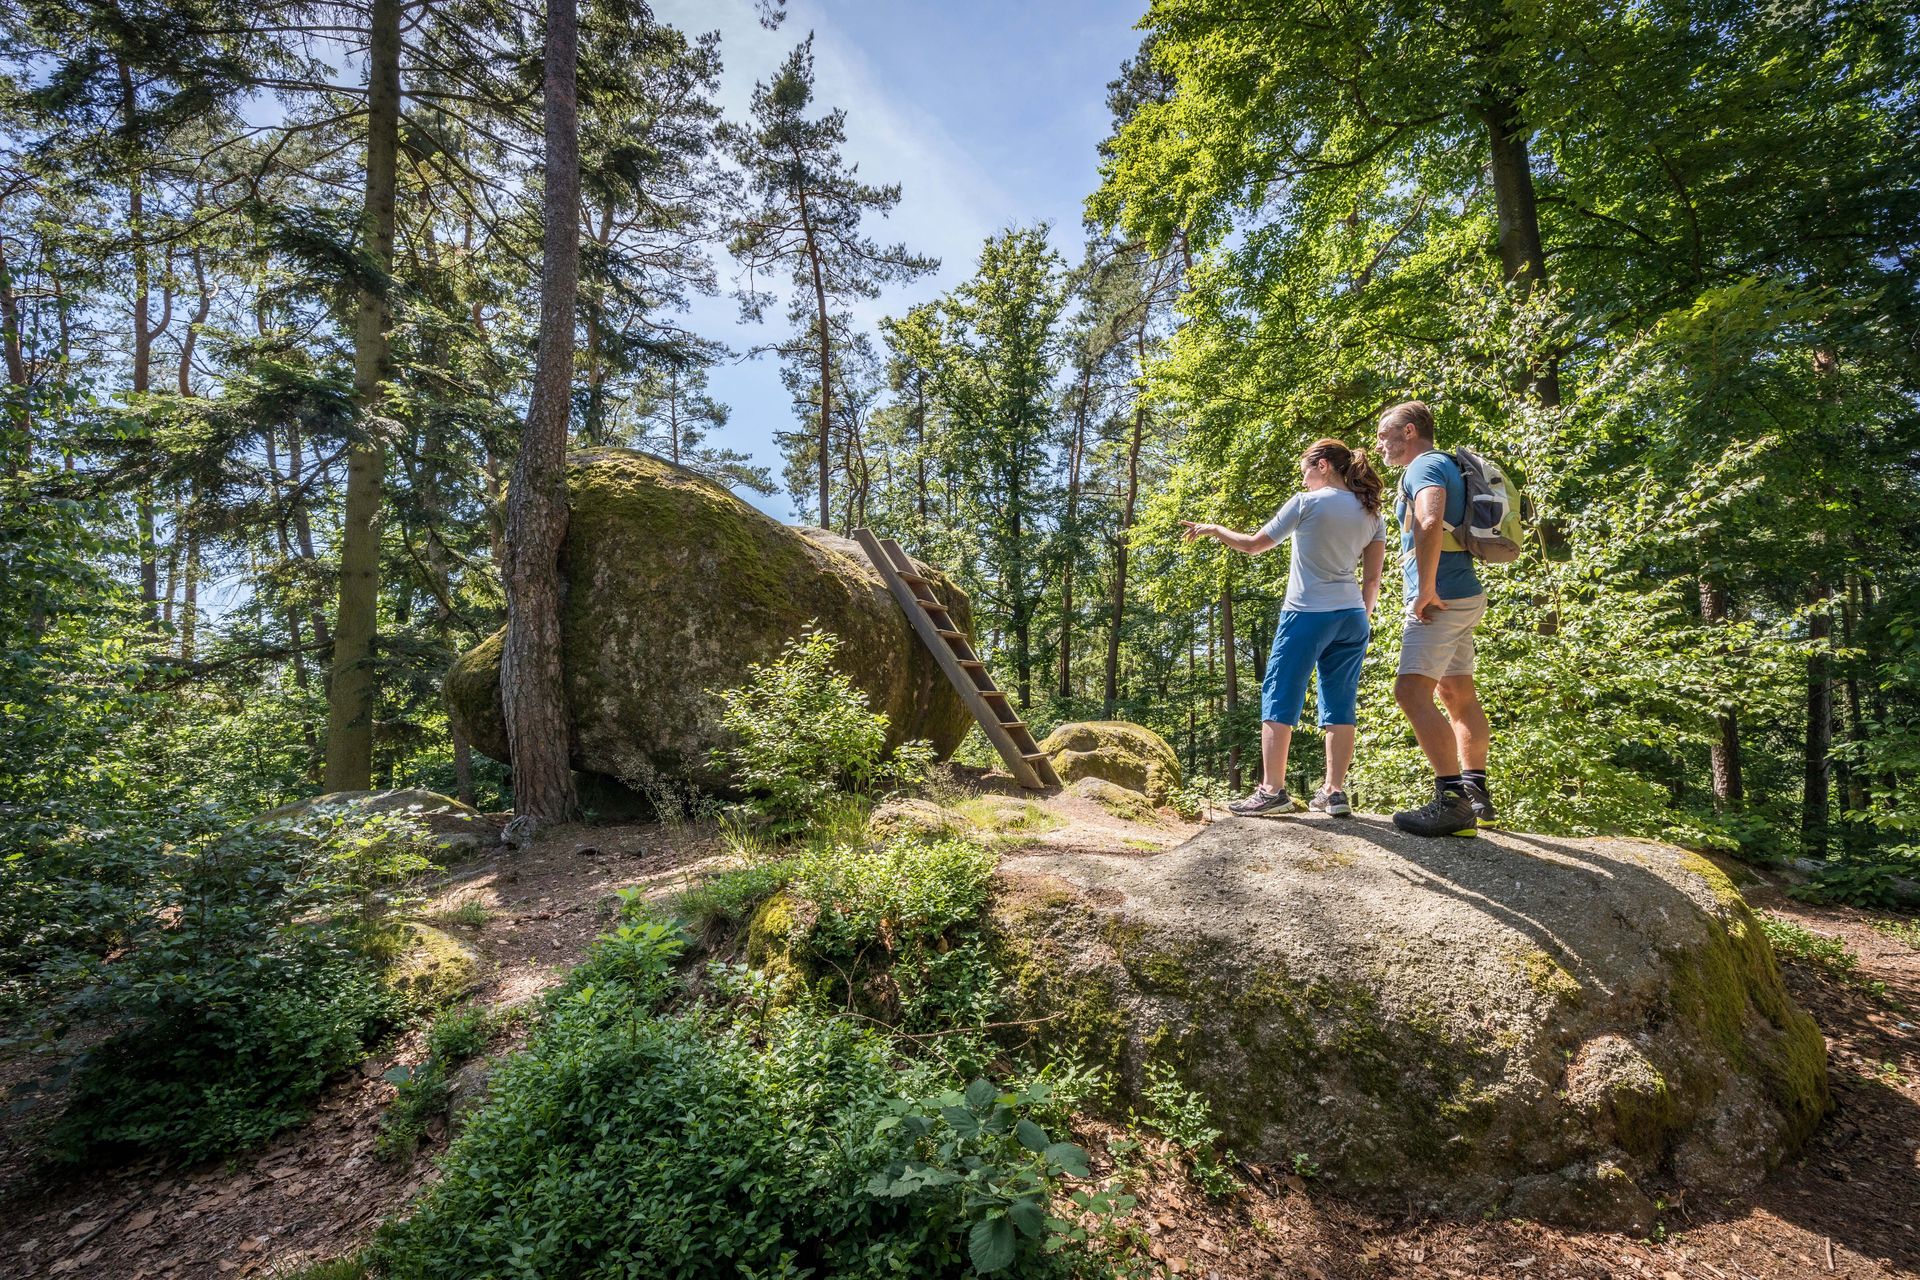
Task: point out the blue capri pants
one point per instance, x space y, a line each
1335 642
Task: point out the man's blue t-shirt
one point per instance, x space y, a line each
1456 578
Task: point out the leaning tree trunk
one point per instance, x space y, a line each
350 690
532 692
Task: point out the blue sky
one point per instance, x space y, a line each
986 113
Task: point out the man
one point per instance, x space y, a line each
1444 604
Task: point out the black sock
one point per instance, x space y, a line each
1478 777
1442 782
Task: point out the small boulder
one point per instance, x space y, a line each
1600 1196
1128 755
1115 799
453 827
467 1092
434 968
909 817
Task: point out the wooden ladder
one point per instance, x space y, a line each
1027 763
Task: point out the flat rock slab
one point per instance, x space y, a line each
1537 1025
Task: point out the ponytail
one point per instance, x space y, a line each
1353 468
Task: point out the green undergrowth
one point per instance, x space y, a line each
455 1038
1905 931
264 969
726 1124
1796 944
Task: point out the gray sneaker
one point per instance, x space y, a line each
1263 803
1330 802
1447 814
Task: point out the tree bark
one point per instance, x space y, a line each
826 362
1233 682
1815 796
1522 260
1126 528
350 690
532 687
1856 789
1724 752
1070 532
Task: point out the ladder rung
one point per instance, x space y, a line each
1013 724
1033 755
914 577
973 664
993 693
950 635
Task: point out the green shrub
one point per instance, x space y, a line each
803 733
899 926
256 978
728 1140
456 1037
728 898
1905 931
1186 1120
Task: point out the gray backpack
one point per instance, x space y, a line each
1493 530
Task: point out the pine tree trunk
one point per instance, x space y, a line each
1815 801
826 362
1724 752
350 688
532 688
1070 535
1126 529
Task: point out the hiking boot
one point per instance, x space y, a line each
1449 813
1263 803
1481 800
1331 802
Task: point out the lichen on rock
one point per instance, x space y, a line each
1125 754
1553 1028
673 587
907 816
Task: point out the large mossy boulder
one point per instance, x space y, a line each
673 587
1127 755
1540 1027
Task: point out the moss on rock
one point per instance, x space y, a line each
433 968
1117 800
922 818
1552 1028
674 586
1128 755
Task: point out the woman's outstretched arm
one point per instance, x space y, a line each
1250 543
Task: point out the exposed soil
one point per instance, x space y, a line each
1848 1207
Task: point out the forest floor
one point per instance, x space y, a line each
1847 1208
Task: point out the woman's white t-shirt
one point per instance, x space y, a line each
1330 529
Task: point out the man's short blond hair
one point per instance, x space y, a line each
1410 413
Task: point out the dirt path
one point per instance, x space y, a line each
1848 1208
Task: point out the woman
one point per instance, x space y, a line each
1335 525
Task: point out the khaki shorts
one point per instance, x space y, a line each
1444 646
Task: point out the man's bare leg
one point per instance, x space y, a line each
1339 755
1471 732
1430 728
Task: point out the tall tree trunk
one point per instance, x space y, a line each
16 447
1724 752
1857 790
1522 259
1815 806
532 687
1070 533
1233 681
826 360
350 690
1126 529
